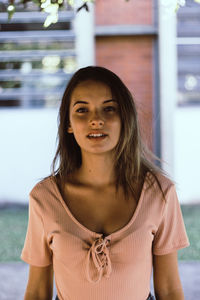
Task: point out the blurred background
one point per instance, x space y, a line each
155 51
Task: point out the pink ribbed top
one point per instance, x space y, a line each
90 266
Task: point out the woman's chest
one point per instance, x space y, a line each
102 211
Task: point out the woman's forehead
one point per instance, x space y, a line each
90 89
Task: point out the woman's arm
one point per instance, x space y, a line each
167 284
40 283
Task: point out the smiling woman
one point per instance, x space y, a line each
107 214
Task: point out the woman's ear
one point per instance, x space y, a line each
69 129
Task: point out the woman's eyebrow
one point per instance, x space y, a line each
79 102
85 102
110 100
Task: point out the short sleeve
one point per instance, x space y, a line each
171 234
36 250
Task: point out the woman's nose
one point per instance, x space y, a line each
96 121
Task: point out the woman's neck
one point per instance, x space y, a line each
96 170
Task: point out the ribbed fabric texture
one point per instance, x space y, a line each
89 266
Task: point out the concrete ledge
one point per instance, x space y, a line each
12 205
125 30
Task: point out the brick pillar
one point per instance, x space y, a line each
128 55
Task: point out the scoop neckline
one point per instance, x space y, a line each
117 232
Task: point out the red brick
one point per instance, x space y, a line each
112 12
131 59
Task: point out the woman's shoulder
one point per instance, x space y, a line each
159 181
42 185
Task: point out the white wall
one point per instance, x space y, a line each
168 81
85 39
187 153
27 147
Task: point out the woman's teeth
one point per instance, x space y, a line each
96 135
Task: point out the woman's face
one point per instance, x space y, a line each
94 117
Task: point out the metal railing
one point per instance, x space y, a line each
35 65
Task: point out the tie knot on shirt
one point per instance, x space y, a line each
98 259
100 245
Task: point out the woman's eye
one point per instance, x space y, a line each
81 110
110 108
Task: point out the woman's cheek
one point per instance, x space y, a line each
113 117
79 118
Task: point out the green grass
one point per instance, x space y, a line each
13 224
191 215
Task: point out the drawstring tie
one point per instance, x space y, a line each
99 255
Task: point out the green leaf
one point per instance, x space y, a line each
10 10
70 2
51 19
177 7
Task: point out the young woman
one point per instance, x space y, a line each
106 215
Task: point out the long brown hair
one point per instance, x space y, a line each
131 162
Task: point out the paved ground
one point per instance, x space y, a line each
13 279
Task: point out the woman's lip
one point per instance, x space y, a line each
97 138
